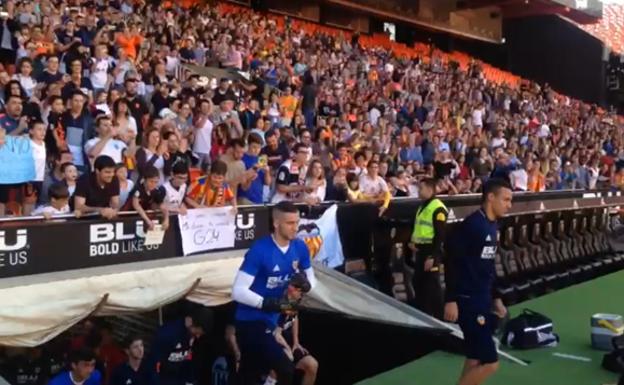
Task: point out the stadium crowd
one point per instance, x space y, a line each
115 122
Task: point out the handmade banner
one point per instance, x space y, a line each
17 158
207 229
322 238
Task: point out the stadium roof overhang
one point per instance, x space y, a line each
582 12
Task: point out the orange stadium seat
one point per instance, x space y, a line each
610 29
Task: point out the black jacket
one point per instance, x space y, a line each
13 27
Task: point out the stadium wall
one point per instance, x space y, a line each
553 50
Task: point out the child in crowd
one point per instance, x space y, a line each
70 176
212 191
175 189
353 188
147 196
125 185
32 190
59 202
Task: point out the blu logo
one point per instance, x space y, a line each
21 240
241 225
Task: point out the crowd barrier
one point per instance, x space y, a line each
33 246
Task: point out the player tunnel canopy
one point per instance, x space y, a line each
43 306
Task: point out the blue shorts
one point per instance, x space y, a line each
260 352
478 326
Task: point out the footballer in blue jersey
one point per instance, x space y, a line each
82 370
260 290
472 298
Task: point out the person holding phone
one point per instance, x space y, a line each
257 175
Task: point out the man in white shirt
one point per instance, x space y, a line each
105 143
374 188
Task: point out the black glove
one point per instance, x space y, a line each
279 305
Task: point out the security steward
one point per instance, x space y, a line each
427 242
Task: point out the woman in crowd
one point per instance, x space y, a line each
151 153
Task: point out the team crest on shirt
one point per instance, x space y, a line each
310 234
481 320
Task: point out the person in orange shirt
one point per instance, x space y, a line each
288 103
343 160
129 40
212 191
536 181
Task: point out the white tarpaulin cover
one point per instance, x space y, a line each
38 309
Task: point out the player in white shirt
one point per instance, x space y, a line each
374 188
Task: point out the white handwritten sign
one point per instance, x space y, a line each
207 229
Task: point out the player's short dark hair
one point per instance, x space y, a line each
58 191
102 162
493 186
81 355
429 182
341 145
219 168
285 207
300 281
130 339
150 172
179 168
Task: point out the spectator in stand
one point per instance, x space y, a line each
212 191
316 182
81 370
59 202
32 190
56 174
125 185
257 176
98 191
177 151
12 120
147 196
77 128
105 143
138 107
290 180
275 153
151 153
203 131
175 189
235 165
136 370
374 188
70 178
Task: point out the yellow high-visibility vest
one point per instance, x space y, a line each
423 226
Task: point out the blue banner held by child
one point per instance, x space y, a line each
17 164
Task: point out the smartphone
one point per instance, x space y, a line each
262 161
